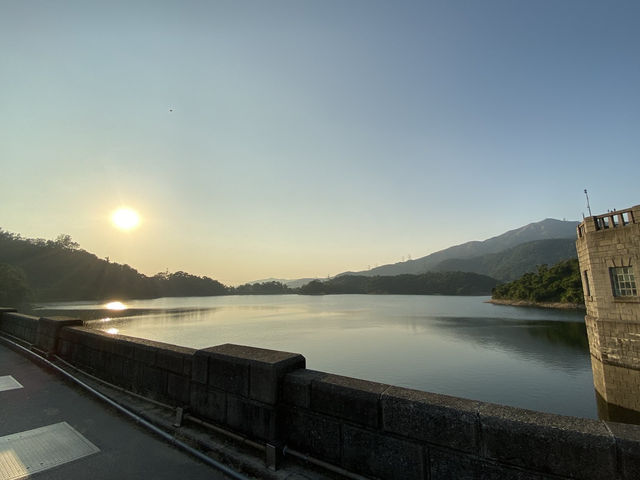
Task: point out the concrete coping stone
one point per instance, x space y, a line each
250 372
348 398
433 418
20 316
627 438
61 321
247 354
546 442
296 386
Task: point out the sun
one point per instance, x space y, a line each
125 218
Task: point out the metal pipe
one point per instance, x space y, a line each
327 466
210 461
234 436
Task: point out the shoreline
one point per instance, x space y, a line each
526 303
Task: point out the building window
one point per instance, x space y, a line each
586 284
623 282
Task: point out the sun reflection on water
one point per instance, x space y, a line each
115 306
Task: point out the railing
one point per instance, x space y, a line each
614 219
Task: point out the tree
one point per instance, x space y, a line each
14 290
65 241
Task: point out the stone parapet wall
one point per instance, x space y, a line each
369 428
21 326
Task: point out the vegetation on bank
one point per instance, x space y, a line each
59 270
560 283
430 283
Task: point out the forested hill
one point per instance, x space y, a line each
514 262
60 270
431 283
544 230
559 284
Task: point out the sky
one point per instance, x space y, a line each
306 138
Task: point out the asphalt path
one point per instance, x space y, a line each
127 451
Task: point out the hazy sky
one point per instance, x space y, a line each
311 137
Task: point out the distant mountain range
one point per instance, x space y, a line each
498 256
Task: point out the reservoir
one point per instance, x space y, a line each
462 346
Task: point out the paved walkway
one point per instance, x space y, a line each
115 447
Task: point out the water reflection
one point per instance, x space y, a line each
460 346
115 306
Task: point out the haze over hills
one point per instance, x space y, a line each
514 262
546 229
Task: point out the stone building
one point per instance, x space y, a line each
609 255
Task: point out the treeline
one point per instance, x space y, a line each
559 283
38 270
59 270
430 283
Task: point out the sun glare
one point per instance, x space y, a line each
125 218
115 306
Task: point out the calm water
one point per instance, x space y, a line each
531 358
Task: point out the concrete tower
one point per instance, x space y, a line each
609 255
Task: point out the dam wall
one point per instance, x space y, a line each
368 428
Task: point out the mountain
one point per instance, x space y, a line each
514 262
546 229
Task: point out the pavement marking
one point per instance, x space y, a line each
25 453
7 382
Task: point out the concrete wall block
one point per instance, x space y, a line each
265 375
229 374
96 360
311 433
296 387
547 443
248 371
447 465
113 368
380 455
49 330
200 367
349 398
438 419
256 419
178 388
130 373
122 347
208 403
144 354
20 325
151 381
627 438
64 348
187 365
170 360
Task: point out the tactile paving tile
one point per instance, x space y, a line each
7 382
25 453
